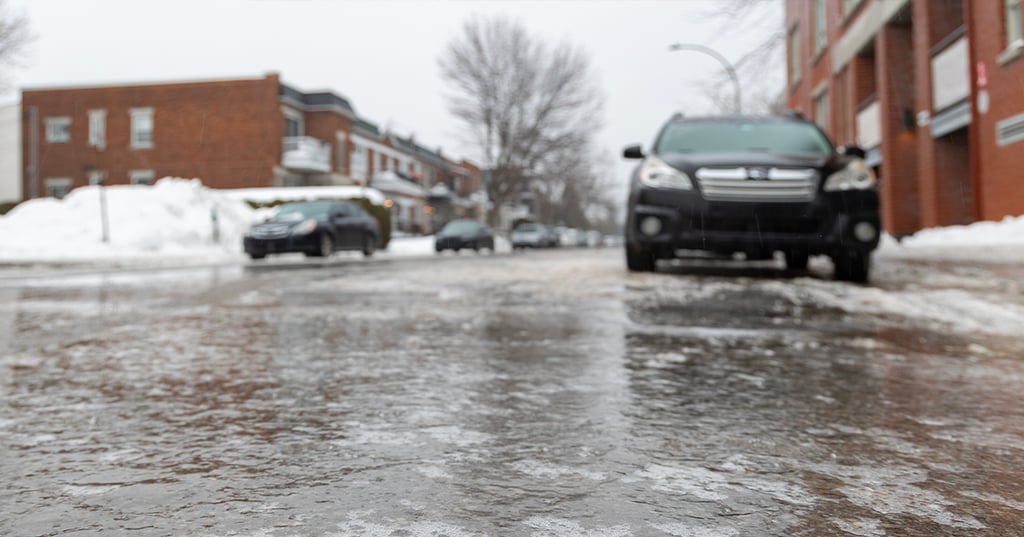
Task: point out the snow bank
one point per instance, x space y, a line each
981 241
171 218
1009 231
306 193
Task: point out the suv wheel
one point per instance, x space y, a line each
797 260
852 266
639 258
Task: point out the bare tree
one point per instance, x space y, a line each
14 36
523 100
759 66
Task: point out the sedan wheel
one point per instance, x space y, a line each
326 245
369 245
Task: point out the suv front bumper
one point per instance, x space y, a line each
686 221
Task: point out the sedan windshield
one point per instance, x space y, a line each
293 212
527 228
716 136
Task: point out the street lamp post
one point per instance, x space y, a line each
721 59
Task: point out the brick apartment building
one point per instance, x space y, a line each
932 89
237 133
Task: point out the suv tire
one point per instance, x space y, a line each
639 259
797 260
852 266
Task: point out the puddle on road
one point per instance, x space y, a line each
506 398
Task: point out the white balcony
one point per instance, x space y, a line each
306 154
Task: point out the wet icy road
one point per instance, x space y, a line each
544 394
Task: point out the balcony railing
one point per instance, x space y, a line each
306 154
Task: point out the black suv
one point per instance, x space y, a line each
752 184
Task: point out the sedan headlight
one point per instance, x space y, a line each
855 176
655 172
305 227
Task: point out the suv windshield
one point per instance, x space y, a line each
301 211
717 136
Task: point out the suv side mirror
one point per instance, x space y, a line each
633 152
852 150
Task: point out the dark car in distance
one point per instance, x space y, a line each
314 228
756 185
459 234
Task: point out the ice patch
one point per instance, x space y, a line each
87 490
432 472
699 482
550 471
560 527
893 491
684 530
458 436
862 527
994 498
357 527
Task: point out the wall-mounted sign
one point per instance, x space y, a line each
982 75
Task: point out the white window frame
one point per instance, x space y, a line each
821 109
98 128
849 6
1014 32
138 141
141 177
359 162
57 187
819 22
795 59
342 152
58 130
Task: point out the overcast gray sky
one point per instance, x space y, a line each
380 55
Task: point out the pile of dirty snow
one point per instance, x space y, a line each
981 241
174 217
1009 231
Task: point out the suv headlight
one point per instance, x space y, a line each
855 176
655 172
307 226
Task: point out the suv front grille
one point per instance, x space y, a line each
758 184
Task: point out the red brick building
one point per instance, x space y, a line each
237 133
932 89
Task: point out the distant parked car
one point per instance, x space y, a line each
459 234
533 235
314 228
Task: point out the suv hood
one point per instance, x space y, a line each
690 163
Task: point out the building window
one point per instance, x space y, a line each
58 130
97 177
293 123
359 162
794 56
1013 23
342 152
98 128
142 128
821 110
141 177
820 28
849 6
58 188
